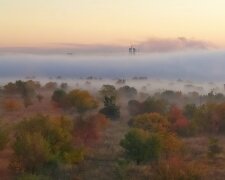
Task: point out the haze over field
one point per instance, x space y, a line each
202 65
178 39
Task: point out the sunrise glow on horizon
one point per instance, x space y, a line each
29 22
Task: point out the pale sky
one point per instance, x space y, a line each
41 22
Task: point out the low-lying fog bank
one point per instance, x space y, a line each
200 71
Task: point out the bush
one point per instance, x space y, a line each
27 176
132 171
214 148
176 168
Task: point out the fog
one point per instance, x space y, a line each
192 67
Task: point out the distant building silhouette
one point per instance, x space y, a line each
132 50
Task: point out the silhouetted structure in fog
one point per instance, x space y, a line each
132 50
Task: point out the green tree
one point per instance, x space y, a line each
155 105
59 97
110 110
108 90
156 123
141 146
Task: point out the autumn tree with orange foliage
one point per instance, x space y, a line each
179 123
89 130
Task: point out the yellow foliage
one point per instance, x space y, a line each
81 100
150 122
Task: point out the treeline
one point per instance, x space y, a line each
48 147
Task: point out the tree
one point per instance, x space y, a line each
25 89
81 100
157 124
150 105
64 86
190 110
141 146
10 88
59 97
172 145
40 142
33 84
135 107
154 105
218 118
209 117
89 130
127 92
51 85
179 123
110 109
152 122
108 90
